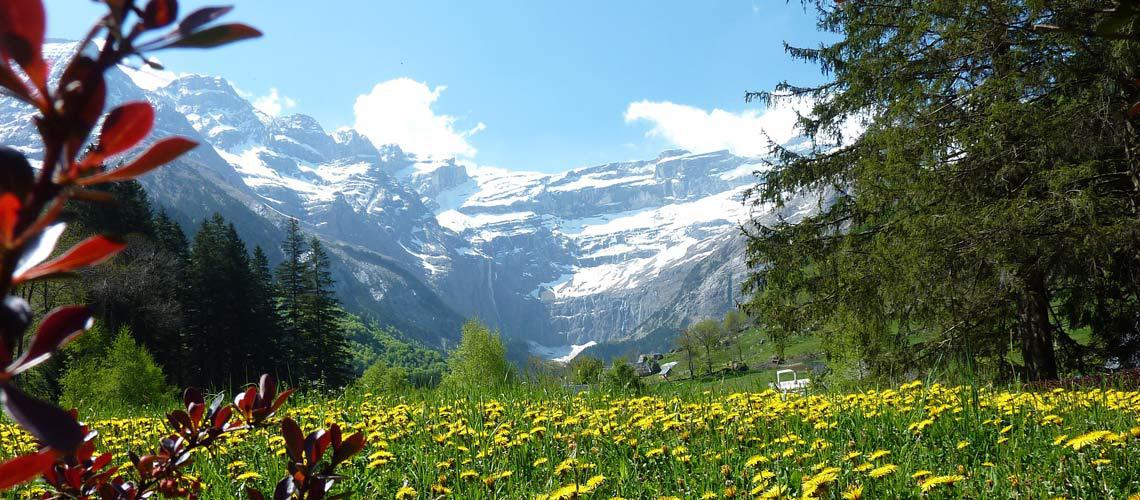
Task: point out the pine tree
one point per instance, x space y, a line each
263 313
168 234
129 212
244 347
204 306
223 333
327 343
991 197
291 289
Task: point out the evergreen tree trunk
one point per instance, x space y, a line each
1035 330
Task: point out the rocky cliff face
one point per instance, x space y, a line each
603 253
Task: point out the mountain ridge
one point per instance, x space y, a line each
591 254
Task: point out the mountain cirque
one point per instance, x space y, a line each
599 254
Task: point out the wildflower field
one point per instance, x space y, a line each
913 441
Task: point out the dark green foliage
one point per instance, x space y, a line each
326 345
138 290
992 199
221 328
315 346
168 234
210 313
622 377
260 296
129 212
291 280
586 370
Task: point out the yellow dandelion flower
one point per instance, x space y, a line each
405 492
755 460
936 481
595 481
878 454
853 492
1087 439
774 492
885 470
245 476
493 478
763 476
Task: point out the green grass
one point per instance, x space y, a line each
756 352
693 439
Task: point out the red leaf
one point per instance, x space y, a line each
222 416
285 489
9 217
196 411
334 433
191 396
88 252
124 127
22 24
159 153
159 13
315 445
10 81
281 400
216 36
179 420
47 422
25 468
1134 110
267 386
83 91
101 461
202 16
59 327
294 442
245 400
346 450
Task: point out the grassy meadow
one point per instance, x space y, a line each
912 441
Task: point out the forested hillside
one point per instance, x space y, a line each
209 311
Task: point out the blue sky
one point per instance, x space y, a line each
522 85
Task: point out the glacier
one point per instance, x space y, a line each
590 255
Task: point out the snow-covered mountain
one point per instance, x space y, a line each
596 254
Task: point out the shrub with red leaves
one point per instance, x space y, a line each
310 476
30 203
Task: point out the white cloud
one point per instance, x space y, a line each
399 111
274 103
701 131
